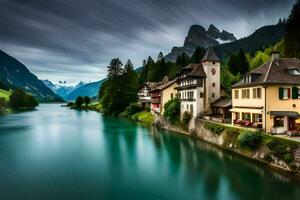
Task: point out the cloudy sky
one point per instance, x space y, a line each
74 40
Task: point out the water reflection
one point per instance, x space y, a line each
56 153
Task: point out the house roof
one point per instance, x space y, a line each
195 70
164 85
223 102
285 113
210 55
275 71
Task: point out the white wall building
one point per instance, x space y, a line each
199 85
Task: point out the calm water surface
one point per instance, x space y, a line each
56 153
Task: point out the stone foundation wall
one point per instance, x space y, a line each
227 139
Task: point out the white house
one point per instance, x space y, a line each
199 85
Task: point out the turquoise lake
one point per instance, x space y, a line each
57 153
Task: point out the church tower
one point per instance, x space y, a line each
212 67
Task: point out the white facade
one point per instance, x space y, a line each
212 82
197 93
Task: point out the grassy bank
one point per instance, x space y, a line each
5 94
94 106
143 117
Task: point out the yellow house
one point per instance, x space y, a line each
269 97
162 94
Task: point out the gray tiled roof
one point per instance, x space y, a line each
274 72
210 55
223 102
195 70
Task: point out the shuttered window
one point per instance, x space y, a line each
295 93
280 93
284 93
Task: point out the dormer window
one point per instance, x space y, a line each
295 72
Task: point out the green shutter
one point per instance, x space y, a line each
280 93
295 93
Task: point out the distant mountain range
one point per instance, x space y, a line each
89 89
199 36
61 88
225 43
14 74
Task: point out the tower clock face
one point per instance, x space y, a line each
213 71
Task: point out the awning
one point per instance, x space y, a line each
284 113
247 110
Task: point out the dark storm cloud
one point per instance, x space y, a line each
75 39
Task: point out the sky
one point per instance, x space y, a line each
74 40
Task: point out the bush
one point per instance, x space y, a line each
70 104
214 128
288 157
186 118
19 100
172 111
79 102
283 149
131 110
249 138
87 100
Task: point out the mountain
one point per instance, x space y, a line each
198 36
61 88
89 89
263 37
227 44
14 74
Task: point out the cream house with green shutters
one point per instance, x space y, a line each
269 97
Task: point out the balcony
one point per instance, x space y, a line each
155 100
187 99
190 86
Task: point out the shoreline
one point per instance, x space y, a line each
295 174
257 156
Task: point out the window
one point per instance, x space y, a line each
214 84
171 95
213 95
201 95
286 93
256 93
236 94
200 82
187 106
246 94
191 109
278 121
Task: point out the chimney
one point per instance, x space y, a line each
275 55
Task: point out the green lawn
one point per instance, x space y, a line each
144 116
5 94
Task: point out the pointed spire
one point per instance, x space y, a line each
210 55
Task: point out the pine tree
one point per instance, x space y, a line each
150 61
128 67
115 68
242 62
238 63
198 55
182 60
160 56
232 64
144 74
292 37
